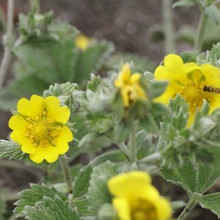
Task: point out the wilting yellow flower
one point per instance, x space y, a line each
136 199
39 127
193 82
82 42
129 86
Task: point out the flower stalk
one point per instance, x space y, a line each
151 158
66 173
200 31
132 144
167 14
8 39
189 207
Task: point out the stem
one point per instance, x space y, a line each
167 14
189 207
2 19
151 158
132 144
7 42
200 31
66 173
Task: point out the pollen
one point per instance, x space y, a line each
42 131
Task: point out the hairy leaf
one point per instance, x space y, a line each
29 197
51 209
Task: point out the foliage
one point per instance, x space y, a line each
117 122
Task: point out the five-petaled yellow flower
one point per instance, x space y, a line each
136 199
129 85
39 127
193 82
82 42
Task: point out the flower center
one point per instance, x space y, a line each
144 211
193 94
42 130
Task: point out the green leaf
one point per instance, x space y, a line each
122 130
36 193
184 3
113 156
213 13
211 202
82 206
149 124
51 209
81 183
158 87
10 150
198 177
159 109
91 59
52 61
98 193
25 86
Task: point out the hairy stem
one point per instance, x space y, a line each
66 173
151 158
189 207
132 144
200 31
8 39
167 14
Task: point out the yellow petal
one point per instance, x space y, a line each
212 75
65 136
125 73
82 42
173 62
60 114
29 149
125 96
122 207
164 210
127 184
17 122
32 107
62 149
197 76
135 78
189 67
49 153
214 102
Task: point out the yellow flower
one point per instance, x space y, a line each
82 42
193 82
39 127
136 199
129 86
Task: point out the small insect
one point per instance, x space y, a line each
211 89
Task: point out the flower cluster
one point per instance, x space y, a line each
129 85
193 82
39 127
136 199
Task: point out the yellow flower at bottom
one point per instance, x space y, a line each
82 42
39 127
193 82
129 86
136 199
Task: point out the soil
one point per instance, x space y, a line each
128 24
